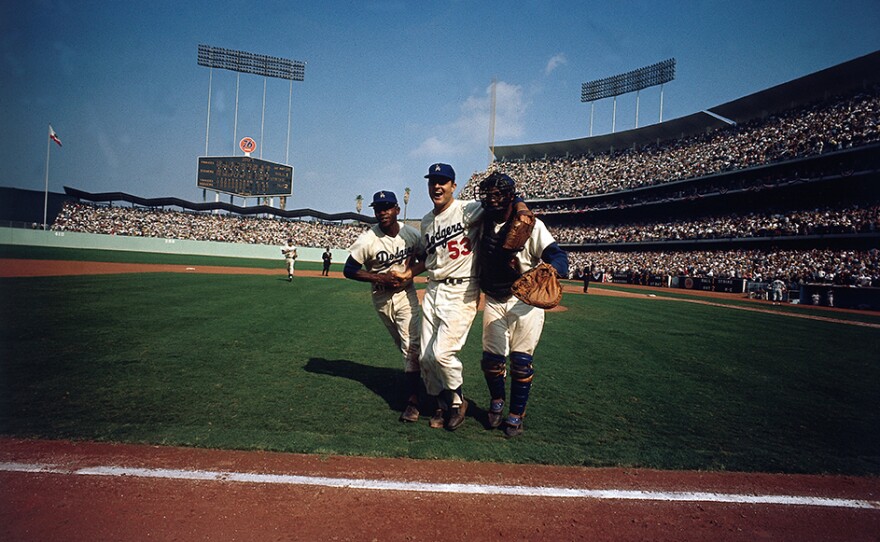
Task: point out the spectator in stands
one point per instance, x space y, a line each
833 125
143 222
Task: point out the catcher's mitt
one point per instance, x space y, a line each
521 227
539 287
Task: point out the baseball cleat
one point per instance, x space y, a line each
513 426
456 418
436 421
411 414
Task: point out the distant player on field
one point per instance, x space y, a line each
289 252
777 288
383 248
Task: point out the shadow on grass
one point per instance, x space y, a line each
384 382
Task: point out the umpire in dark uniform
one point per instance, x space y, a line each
587 276
327 257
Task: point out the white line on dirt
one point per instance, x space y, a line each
427 487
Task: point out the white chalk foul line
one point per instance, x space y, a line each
427 487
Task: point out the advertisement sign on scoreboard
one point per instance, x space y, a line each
245 176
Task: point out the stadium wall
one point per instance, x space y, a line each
59 239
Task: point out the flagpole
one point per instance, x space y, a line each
46 192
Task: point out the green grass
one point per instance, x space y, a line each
254 362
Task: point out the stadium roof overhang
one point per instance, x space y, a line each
859 73
862 72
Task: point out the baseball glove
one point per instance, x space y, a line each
520 230
539 287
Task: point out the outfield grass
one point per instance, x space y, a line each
125 256
254 362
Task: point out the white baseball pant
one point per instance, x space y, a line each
448 311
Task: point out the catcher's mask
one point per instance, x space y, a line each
496 192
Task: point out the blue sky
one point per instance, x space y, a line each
390 87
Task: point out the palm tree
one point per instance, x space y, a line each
405 201
359 201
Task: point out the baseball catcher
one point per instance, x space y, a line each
518 275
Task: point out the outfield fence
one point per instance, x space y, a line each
94 241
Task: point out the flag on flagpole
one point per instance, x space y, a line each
53 136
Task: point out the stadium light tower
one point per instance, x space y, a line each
624 83
250 63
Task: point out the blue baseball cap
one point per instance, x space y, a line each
384 198
441 170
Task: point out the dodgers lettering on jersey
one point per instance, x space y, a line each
385 259
381 253
450 239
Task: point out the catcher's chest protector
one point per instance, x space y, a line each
496 275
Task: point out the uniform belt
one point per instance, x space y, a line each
453 280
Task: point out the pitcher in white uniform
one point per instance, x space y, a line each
450 238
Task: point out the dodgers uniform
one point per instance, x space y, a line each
398 310
289 251
776 289
449 244
511 327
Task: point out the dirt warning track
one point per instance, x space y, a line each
55 490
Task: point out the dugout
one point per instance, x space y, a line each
844 297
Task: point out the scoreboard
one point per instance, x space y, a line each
245 176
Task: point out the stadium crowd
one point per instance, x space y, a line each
168 224
794 267
800 132
819 221
720 187
855 268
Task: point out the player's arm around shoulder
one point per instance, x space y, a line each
472 211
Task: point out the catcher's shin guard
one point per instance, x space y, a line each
521 374
495 370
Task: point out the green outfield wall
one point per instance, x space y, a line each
59 239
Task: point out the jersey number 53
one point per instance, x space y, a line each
458 248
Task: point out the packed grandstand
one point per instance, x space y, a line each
786 188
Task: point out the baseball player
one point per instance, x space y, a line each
449 241
510 326
385 247
777 287
289 251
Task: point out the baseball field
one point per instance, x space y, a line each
219 354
